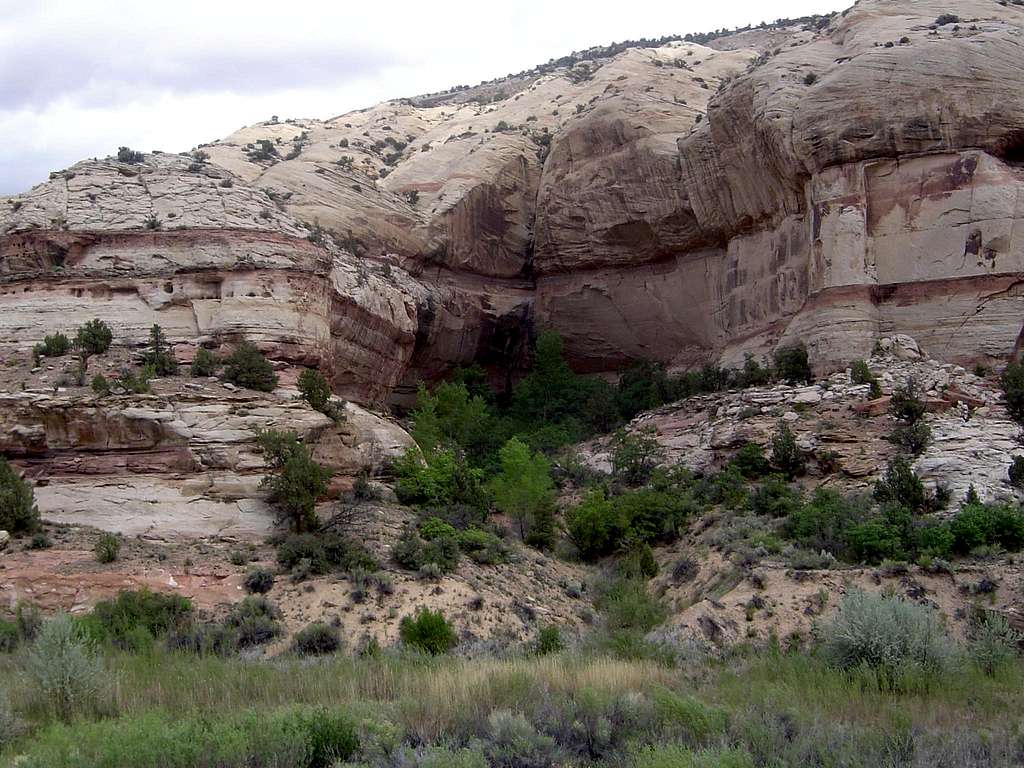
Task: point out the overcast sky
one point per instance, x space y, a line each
78 78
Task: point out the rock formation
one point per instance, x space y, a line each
854 177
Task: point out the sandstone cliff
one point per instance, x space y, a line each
835 181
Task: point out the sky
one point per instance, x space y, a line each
79 78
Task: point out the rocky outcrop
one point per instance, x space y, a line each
184 460
836 181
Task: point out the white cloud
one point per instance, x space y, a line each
81 78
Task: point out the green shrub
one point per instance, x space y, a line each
638 563
628 605
94 338
201 639
1013 390
107 548
414 553
322 553
751 462
297 482
889 635
314 388
821 524
901 485
775 497
483 547
594 526
100 385
440 478
513 742
255 621
135 383
56 345
258 581
993 643
523 484
9 636
293 737
791 364
549 640
120 619
786 456
204 364
126 155
978 525
427 631
1016 472
907 405
247 367
635 455
317 639
912 438
18 511
66 674
159 357
542 533
651 516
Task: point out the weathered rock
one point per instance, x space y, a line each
5 538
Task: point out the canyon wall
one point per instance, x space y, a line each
832 182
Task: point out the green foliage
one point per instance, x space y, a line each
441 477
258 581
1016 472
9 636
775 498
204 364
440 553
94 338
628 605
126 155
293 737
18 511
786 456
483 547
907 404
993 643
594 526
322 552
121 620
317 639
791 364
107 548
1013 390
55 345
635 455
523 486
751 462
549 640
650 515
680 757
821 524
298 481
159 356
247 367
255 621
65 673
100 385
889 635
315 389
901 485
978 525
912 438
427 631
135 383
542 532
450 415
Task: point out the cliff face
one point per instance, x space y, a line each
833 183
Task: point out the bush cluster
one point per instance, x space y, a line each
247 367
428 631
317 554
18 511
